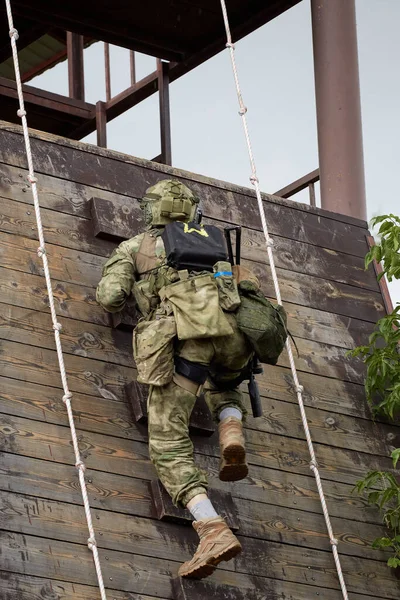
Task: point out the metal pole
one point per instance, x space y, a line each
165 117
337 90
101 124
76 78
107 70
132 66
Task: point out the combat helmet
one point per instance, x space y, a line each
168 200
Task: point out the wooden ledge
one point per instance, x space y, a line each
201 422
166 511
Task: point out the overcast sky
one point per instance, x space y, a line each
276 73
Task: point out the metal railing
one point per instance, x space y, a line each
308 181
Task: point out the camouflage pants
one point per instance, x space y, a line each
170 408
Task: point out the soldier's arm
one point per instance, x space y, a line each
118 276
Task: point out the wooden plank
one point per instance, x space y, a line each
79 338
201 421
100 415
77 233
60 195
22 513
145 173
189 589
127 457
17 586
132 572
78 302
113 221
95 378
71 198
166 511
71 300
132 496
16 325
59 228
276 382
313 357
19 253
48 100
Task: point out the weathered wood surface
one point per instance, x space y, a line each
99 415
131 495
77 233
17 586
201 421
66 159
144 574
332 304
166 511
109 345
20 253
28 515
134 574
78 302
127 457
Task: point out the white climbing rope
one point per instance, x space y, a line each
80 465
269 243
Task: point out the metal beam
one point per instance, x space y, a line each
132 65
107 70
165 116
337 90
76 79
101 124
298 185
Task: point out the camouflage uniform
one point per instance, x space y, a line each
170 405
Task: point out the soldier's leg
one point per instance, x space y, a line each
231 358
171 450
217 542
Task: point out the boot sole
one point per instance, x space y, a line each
234 453
233 472
208 567
233 463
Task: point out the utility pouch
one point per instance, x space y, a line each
263 323
241 273
153 350
229 298
146 300
195 304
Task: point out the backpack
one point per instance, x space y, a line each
263 323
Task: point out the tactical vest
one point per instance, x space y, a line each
196 298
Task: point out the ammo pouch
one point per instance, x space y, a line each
195 304
146 300
229 298
153 350
263 323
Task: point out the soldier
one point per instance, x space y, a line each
180 367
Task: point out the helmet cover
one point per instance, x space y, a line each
167 201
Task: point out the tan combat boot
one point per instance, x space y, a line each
217 543
233 466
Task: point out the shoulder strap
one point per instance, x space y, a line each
146 258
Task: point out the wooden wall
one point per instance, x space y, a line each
332 303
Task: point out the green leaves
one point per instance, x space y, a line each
387 251
382 359
382 385
383 490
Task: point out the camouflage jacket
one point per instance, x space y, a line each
134 260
